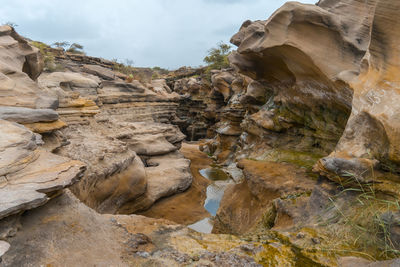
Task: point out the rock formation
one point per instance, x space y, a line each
120 131
326 105
29 175
374 104
307 111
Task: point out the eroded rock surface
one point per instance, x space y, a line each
290 103
371 135
122 131
28 174
297 101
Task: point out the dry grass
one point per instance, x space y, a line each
359 226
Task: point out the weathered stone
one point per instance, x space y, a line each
29 175
4 247
264 182
20 65
100 71
372 131
27 115
166 175
40 127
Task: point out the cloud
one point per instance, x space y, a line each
166 33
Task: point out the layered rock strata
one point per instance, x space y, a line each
121 131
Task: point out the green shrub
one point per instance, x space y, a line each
217 57
126 69
48 57
76 49
61 44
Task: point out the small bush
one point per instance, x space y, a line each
129 78
126 69
48 57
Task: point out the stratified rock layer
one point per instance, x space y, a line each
125 127
29 175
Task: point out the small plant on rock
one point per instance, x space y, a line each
48 57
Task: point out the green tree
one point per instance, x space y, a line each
76 48
61 44
217 57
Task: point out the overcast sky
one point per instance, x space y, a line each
165 33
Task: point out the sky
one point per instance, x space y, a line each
164 33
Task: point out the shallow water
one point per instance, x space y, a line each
215 192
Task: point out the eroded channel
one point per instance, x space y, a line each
197 206
215 191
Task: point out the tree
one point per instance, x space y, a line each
129 62
76 48
217 57
11 24
61 44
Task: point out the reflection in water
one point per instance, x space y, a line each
203 226
214 174
215 191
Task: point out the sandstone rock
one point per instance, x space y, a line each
221 81
166 175
20 65
372 130
40 127
151 145
122 240
160 86
121 188
305 87
69 80
29 175
27 115
77 94
4 247
100 71
264 182
107 161
256 93
175 208
116 177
